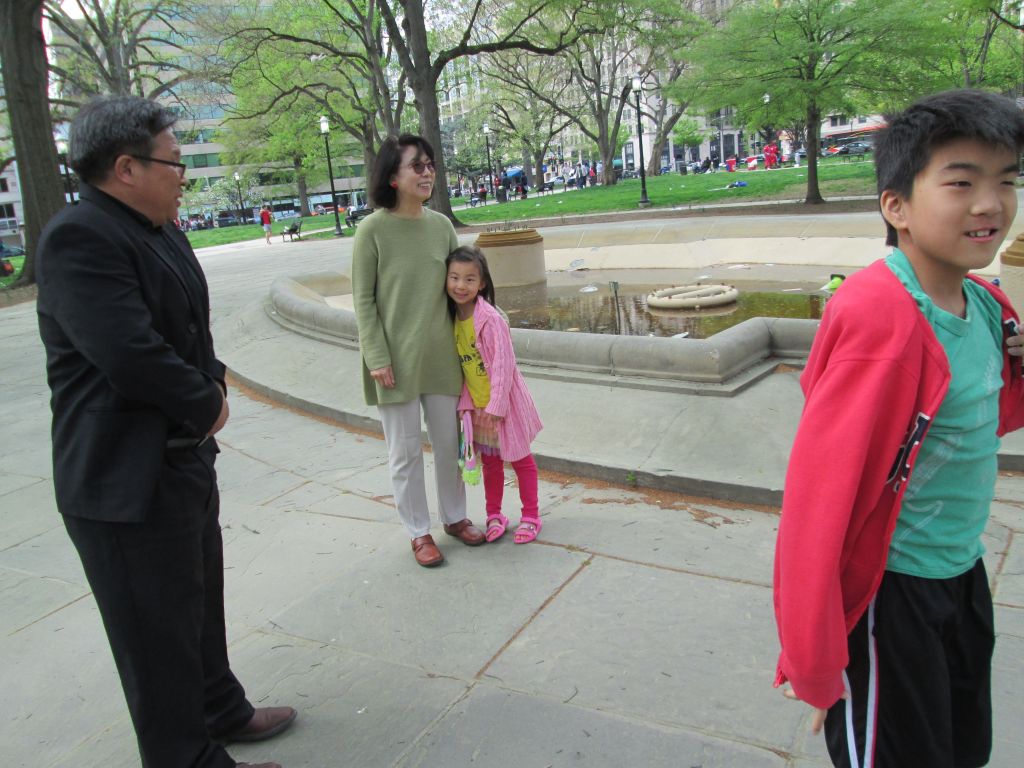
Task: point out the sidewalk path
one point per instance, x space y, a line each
637 632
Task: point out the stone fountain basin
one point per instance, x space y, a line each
319 305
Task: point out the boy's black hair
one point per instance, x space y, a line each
470 254
905 146
389 158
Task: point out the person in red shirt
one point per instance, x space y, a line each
265 219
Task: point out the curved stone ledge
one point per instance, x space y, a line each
298 304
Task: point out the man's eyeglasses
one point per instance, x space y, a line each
180 166
419 167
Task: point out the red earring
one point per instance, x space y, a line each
394 184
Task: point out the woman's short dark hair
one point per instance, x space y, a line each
110 126
389 158
470 254
905 146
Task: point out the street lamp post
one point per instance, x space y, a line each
325 130
238 189
644 202
62 148
490 168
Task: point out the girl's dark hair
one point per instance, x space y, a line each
470 254
389 159
904 148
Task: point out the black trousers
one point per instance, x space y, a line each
159 586
919 677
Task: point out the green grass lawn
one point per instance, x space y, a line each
835 178
224 235
17 262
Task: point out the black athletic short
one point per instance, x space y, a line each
919 677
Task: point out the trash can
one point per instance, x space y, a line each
730 165
501 194
752 164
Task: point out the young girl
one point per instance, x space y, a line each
505 420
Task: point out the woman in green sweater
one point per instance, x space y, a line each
406 339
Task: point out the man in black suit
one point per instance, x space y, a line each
137 395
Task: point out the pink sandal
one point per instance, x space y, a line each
496 526
528 529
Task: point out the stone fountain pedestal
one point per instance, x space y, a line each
515 258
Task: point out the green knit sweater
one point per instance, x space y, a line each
398 288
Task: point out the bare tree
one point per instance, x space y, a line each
334 59
540 27
124 47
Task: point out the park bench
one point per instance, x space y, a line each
353 217
292 231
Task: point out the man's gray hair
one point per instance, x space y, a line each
110 126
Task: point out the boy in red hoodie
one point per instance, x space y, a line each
881 598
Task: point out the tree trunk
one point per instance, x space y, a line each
300 186
23 57
813 143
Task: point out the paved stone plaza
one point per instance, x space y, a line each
637 631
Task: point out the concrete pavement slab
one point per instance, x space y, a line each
667 533
658 652
48 555
355 709
610 642
59 687
27 511
26 598
495 727
1007 702
449 620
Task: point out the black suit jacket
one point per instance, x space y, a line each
124 316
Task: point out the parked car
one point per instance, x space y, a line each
286 215
227 220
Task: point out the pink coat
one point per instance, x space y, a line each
510 399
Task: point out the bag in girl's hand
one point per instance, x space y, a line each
468 461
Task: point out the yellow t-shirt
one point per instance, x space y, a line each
472 364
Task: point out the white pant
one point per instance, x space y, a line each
402 432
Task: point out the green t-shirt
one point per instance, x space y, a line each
946 504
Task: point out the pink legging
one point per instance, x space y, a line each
494 483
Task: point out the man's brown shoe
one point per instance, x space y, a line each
466 532
426 551
266 723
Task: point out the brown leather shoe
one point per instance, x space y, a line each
266 723
426 552
466 532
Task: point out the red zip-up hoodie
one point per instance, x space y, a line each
874 381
